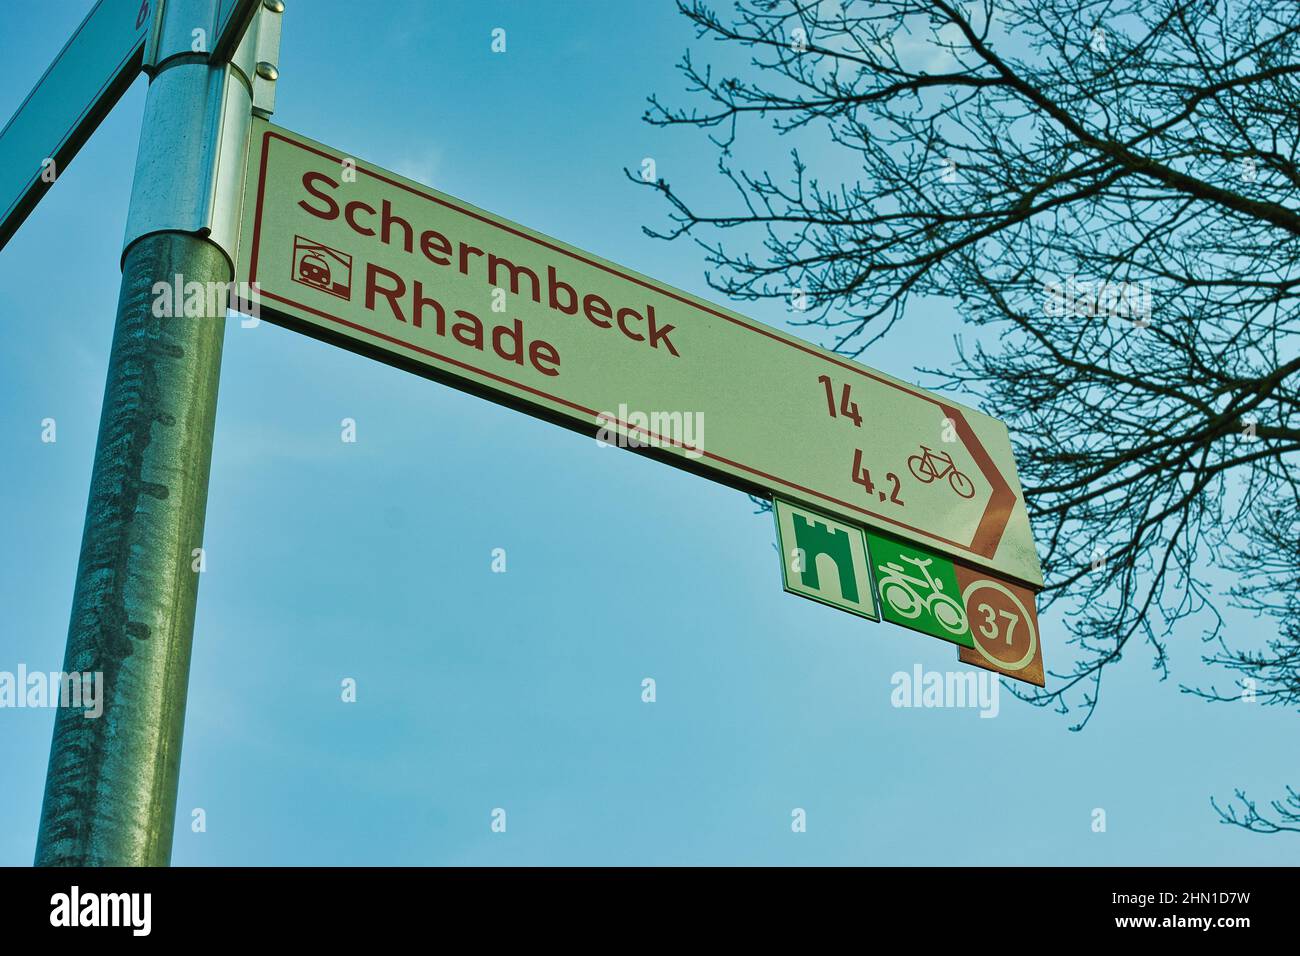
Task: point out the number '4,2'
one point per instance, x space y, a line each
862 476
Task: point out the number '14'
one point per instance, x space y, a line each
848 407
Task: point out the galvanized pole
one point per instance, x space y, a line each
110 792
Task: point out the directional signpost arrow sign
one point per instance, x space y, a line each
387 267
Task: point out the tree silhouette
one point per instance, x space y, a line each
1108 191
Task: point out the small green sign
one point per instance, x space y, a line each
919 589
824 559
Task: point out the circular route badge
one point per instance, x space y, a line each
1003 629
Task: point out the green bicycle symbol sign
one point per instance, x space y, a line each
918 589
910 595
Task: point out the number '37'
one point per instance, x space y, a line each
990 626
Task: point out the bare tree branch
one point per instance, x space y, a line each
1108 190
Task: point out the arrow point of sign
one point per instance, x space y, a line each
1003 500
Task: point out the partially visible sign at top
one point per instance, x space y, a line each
86 79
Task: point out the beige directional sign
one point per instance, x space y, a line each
384 266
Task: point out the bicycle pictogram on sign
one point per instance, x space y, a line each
910 594
930 466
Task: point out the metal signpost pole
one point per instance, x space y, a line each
110 792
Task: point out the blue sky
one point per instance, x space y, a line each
523 690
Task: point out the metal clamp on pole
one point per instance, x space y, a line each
110 791
189 173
